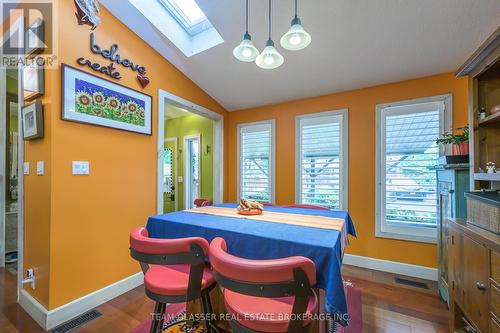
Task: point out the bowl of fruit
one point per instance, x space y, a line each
250 207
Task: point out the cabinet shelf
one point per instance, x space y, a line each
492 177
491 120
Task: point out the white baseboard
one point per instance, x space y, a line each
394 267
48 319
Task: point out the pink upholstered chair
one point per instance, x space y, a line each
265 295
202 202
174 271
306 206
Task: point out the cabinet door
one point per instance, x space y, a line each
443 234
475 283
455 265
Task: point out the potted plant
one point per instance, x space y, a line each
460 141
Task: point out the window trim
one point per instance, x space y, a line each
409 233
344 137
272 157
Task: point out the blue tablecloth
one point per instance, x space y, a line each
266 240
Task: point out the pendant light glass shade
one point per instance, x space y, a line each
296 38
269 58
246 51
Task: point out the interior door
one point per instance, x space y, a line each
192 167
169 175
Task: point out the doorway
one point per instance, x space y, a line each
189 154
9 170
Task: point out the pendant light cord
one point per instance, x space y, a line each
269 19
246 17
295 8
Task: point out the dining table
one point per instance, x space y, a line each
320 235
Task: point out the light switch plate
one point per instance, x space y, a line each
40 168
179 179
26 168
80 168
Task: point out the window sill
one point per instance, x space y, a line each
407 237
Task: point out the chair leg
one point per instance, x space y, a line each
209 309
204 311
156 318
163 307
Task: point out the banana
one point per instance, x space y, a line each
247 204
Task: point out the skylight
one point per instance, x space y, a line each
188 15
182 22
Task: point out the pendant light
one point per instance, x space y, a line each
246 51
270 58
296 38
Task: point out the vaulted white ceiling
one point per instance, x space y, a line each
355 44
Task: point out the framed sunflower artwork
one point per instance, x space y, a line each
89 99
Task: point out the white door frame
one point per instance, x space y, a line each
187 178
3 176
164 98
20 184
174 171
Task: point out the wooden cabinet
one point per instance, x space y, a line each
483 71
454 265
473 273
475 281
453 182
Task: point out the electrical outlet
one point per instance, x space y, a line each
40 168
30 273
80 167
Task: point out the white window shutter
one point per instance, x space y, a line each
320 164
256 161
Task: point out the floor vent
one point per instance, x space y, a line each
72 324
411 283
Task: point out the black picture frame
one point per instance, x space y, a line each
32 120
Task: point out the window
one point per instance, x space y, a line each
188 15
406 154
256 161
321 159
182 22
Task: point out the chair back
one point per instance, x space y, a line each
306 206
155 251
202 202
291 276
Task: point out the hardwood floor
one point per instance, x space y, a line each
387 308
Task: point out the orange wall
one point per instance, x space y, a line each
361 104
87 219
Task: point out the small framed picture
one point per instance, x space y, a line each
33 81
33 120
34 38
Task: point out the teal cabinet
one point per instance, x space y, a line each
453 182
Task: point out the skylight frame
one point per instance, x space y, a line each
191 28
